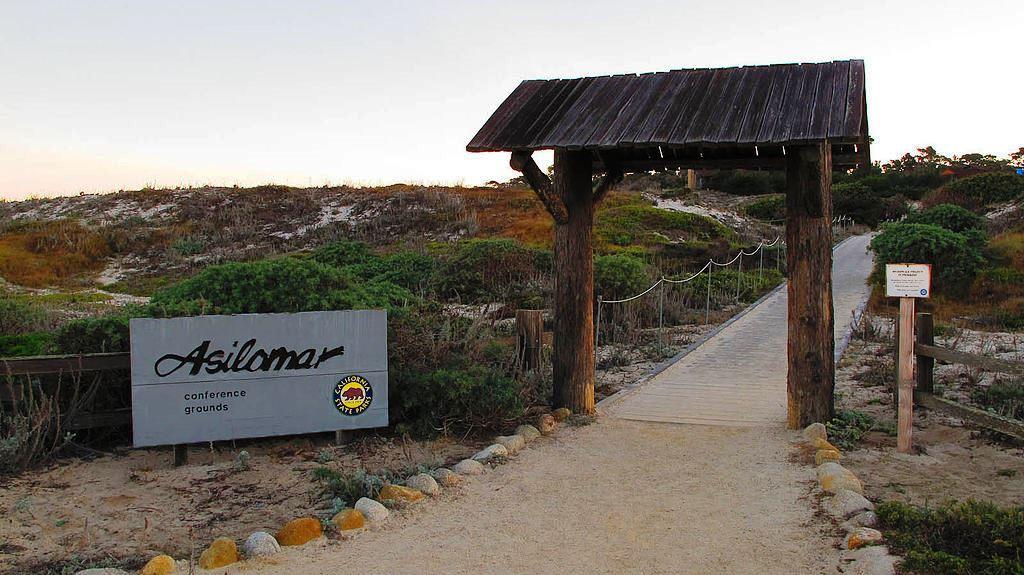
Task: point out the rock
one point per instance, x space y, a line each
490 452
846 503
528 432
468 467
512 443
545 424
832 477
561 414
862 519
824 444
159 565
815 431
102 571
399 495
874 560
372 510
826 455
299 531
425 484
447 477
348 519
862 536
220 553
260 544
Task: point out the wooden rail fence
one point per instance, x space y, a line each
927 353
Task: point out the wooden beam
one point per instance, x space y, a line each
608 181
43 364
811 376
984 362
541 184
764 163
573 361
972 415
925 370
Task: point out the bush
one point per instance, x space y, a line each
625 220
280 285
414 271
38 343
954 260
618 276
19 317
453 399
493 269
864 205
975 538
344 253
747 183
94 335
980 191
948 216
768 208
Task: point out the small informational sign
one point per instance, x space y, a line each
908 280
212 378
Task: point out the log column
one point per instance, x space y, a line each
573 360
811 345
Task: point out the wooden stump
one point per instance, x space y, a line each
529 338
573 361
811 344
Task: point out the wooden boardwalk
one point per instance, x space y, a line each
738 376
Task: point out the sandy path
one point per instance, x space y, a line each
621 496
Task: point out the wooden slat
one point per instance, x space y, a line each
758 105
984 362
485 138
588 88
542 131
774 106
680 86
980 417
619 107
840 89
39 365
855 100
628 133
644 92
793 106
605 106
532 111
821 110
680 111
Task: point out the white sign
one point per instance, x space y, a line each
213 378
908 280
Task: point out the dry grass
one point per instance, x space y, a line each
40 254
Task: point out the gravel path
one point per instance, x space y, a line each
618 496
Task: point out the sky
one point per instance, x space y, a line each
100 95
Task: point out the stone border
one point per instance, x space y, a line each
863 551
224 551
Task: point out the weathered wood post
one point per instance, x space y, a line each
529 338
811 344
905 378
573 361
925 364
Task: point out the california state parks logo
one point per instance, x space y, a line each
353 395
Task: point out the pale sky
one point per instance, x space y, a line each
100 95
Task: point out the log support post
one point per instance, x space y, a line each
811 345
529 338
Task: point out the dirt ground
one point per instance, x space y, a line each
138 504
954 461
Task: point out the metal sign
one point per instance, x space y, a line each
210 378
908 280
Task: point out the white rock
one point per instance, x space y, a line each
447 477
513 443
815 431
468 467
425 483
846 503
528 432
873 560
490 452
260 543
374 511
862 519
102 571
829 468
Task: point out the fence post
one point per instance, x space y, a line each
529 338
925 364
739 274
180 455
905 377
760 264
661 307
597 328
707 305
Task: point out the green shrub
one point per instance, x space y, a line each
280 285
970 538
627 220
954 260
865 205
20 317
620 275
343 253
1004 397
847 428
747 183
767 208
492 269
414 271
982 190
453 399
948 216
37 343
348 488
94 335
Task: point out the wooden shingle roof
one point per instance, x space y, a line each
684 109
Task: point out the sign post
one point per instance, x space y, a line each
907 282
